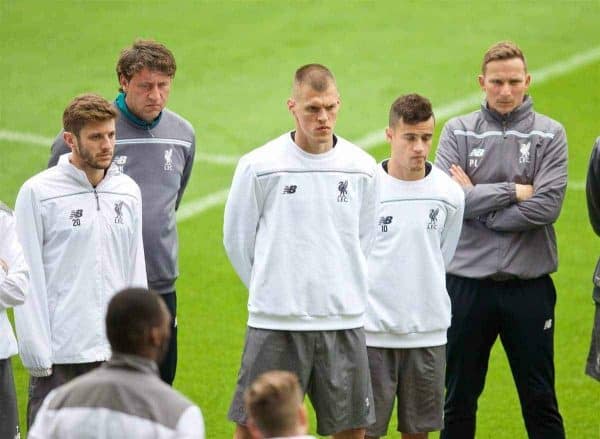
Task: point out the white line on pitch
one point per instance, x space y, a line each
370 140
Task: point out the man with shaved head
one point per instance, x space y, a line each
299 224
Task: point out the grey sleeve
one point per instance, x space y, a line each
187 171
480 199
59 147
592 188
549 187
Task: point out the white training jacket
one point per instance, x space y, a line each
13 284
418 228
297 229
83 245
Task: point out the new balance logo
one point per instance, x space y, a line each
75 217
384 222
343 191
548 324
433 213
291 189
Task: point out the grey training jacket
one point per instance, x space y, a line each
592 191
160 160
500 237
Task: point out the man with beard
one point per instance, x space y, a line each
80 225
125 397
156 148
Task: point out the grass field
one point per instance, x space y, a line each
235 62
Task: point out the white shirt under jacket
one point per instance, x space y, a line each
418 227
83 245
13 284
298 228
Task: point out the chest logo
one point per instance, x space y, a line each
75 217
168 160
343 191
524 150
433 219
119 212
291 189
474 156
384 222
120 161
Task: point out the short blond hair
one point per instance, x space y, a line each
86 108
500 51
272 403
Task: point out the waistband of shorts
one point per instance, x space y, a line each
305 323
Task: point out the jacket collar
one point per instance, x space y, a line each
68 168
132 118
135 362
516 115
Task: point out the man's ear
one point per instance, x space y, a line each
253 429
124 83
303 418
69 139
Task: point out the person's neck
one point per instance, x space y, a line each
313 148
403 173
93 175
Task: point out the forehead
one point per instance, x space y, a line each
306 94
147 75
425 127
505 68
98 126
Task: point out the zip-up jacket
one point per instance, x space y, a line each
159 157
418 226
298 228
14 282
592 191
502 238
123 398
83 245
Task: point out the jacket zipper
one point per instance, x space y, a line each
97 200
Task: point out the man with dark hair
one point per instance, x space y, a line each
274 403
593 204
298 226
408 312
124 398
156 148
14 281
512 165
80 226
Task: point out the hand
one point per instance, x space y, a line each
459 176
4 265
524 191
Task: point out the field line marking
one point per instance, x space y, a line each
370 140
375 137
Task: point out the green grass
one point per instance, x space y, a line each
235 63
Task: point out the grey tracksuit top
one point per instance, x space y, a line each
159 158
592 191
502 238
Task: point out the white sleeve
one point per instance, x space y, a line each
453 227
240 224
190 424
13 284
138 278
368 213
31 319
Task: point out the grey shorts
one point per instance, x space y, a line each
9 418
332 368
416 377
593 362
